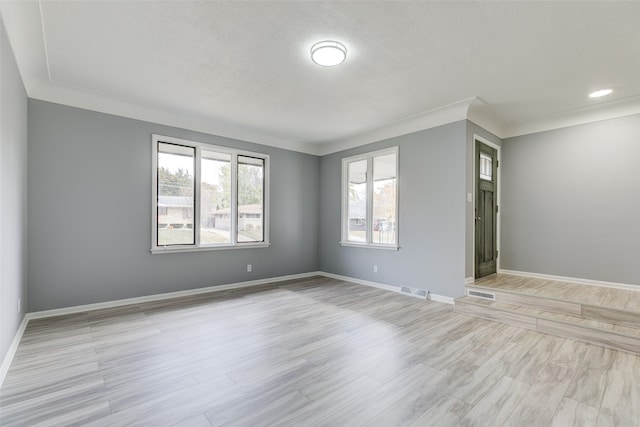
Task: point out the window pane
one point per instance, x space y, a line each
384 199
215 198
250 199
175 194
486 167
357 207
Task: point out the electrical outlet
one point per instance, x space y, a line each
19 306
375 268
249 268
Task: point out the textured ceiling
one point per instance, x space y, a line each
245 66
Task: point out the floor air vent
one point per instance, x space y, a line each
484 295
415 292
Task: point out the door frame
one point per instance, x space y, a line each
498 199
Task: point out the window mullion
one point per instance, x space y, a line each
233 209
369 220
154 192
266 177
197 195
344 209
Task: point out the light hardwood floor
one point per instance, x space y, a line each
594 314
596 296
310 352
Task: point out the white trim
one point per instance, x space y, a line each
208 289
575 280
233 203
480 113
469 280
498 149
361 282
581 116
370 246
164 296
179 249
11 352
396 289
426 120
103 103
441 298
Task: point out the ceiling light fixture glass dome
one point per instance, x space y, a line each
328 53
599 93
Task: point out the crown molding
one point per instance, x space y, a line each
23 24
593 113
426 120
79 98
473 109
480 113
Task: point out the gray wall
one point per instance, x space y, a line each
571 201
432 183
90 213
13 195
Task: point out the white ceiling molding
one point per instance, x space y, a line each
473 109
24 28
429 119
594 113
480 113
101 103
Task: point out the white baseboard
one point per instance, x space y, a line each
432 296
469 280
168 295
215 288
11 352
441 298
360 281
573 280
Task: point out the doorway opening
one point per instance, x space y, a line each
486 208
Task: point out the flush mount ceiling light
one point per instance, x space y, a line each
328 53
599 93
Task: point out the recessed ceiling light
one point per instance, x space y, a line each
599 93
328 53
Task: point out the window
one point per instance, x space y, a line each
370 200
486 167
207 197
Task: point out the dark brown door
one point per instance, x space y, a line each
486 209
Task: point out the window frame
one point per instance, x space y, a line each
368 243
233 211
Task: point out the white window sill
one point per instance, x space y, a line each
370 246
174 249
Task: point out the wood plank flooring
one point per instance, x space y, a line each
310 352
596 296
592 314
